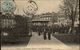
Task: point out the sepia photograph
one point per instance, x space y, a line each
39 25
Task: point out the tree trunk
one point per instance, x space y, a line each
79 22
72 27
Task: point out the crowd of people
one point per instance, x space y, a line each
43 30
46 30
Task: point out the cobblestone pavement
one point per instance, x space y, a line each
38 43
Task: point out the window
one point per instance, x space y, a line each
7 23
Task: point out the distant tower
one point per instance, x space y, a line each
8 6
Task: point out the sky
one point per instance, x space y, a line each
43 6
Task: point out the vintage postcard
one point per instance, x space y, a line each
39 24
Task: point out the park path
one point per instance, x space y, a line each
38 42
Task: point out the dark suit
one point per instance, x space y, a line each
44 33
49 32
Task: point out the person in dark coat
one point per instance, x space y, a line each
53 29
44 33
49 32
39 30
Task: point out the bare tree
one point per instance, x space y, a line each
70 9
0 6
